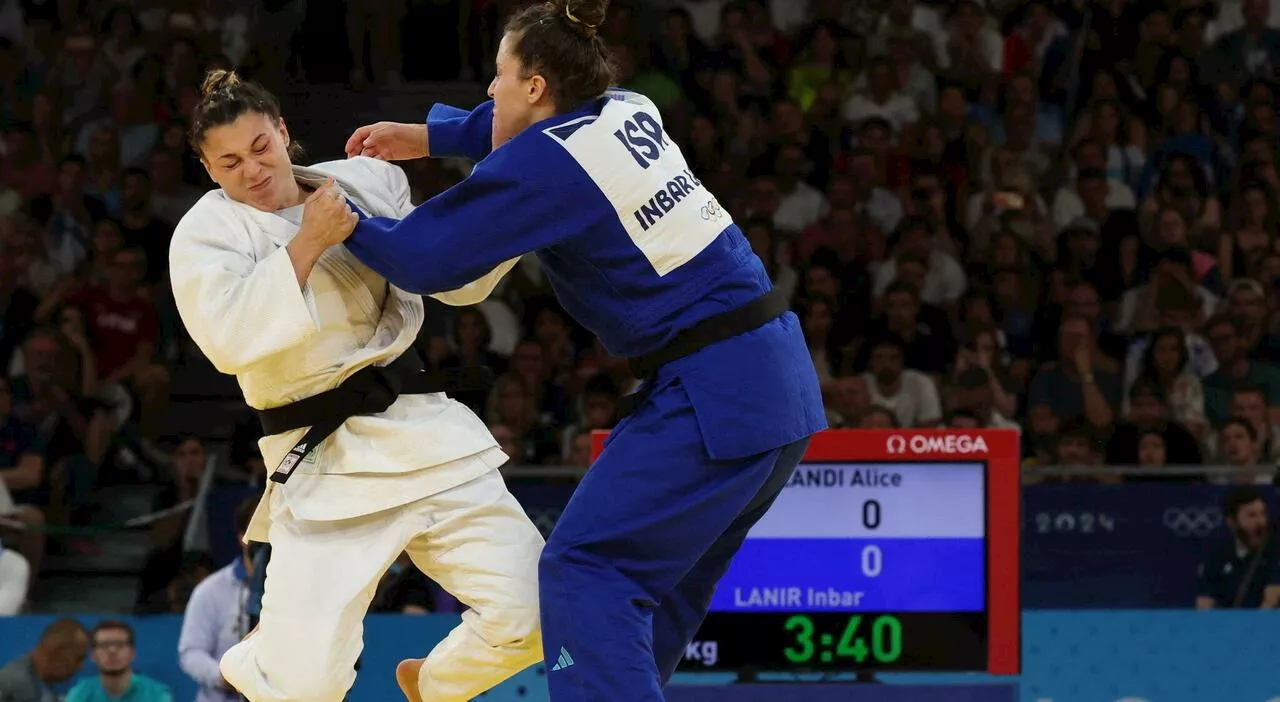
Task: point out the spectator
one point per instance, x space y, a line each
1166 362
124 330
909 394
1250 403
1075 386
923 329
215 619
1238 442
23 480
183 529
471 340
581 449
1235 370
976 390
879 418
15 579
114 652
1242 571
57 657
848 401
1149 411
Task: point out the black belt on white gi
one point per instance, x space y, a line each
370 390
711 330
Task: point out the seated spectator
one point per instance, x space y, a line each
142 227
75 431
24 485
57 657
882 97
816 319
1242 571
1075 386
963 419
879 418
511 403
124 331
847 400
510 443
924 330
172 197
17 303
909 394
216 620
1239 450
1166 360
1173 274
1149 411
470 341
1235 370
977 391
1089 166
1152 452
114 652
1250 403
1077 446
945 280
183 529
15 580
580 449
598 410
1247 304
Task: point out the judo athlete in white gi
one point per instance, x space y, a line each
270 295
643 255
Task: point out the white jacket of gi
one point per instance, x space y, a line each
239 298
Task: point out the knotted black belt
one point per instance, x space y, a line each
370 390
711 330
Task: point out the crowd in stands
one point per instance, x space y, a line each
1054 215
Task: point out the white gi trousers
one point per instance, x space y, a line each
474 540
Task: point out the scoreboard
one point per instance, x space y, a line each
887 550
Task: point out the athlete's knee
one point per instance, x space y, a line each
267 672
513 619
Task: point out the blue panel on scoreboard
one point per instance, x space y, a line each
867 538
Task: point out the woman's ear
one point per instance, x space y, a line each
537 89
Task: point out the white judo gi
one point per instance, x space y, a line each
421 477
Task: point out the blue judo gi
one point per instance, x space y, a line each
637 250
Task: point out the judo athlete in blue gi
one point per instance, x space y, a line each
644 256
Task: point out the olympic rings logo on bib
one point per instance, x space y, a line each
712 211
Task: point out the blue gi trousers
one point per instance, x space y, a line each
629 571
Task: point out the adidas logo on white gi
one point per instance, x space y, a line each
564 661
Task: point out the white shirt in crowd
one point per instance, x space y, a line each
916 403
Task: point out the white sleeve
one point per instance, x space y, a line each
238 309
472 293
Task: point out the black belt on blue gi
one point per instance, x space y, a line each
711 330
370 390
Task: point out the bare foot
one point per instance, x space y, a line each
407 676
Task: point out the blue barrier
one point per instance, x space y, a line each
1089 656
1117 546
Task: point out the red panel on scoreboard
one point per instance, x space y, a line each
999 449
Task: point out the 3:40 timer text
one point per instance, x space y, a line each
879 638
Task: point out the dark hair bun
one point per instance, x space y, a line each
218 79
587 14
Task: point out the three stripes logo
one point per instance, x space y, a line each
564 661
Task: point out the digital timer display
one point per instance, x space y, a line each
889 550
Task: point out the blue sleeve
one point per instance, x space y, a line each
456 133
520 199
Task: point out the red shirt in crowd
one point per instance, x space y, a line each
116 328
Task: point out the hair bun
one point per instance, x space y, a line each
218 79
584 15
